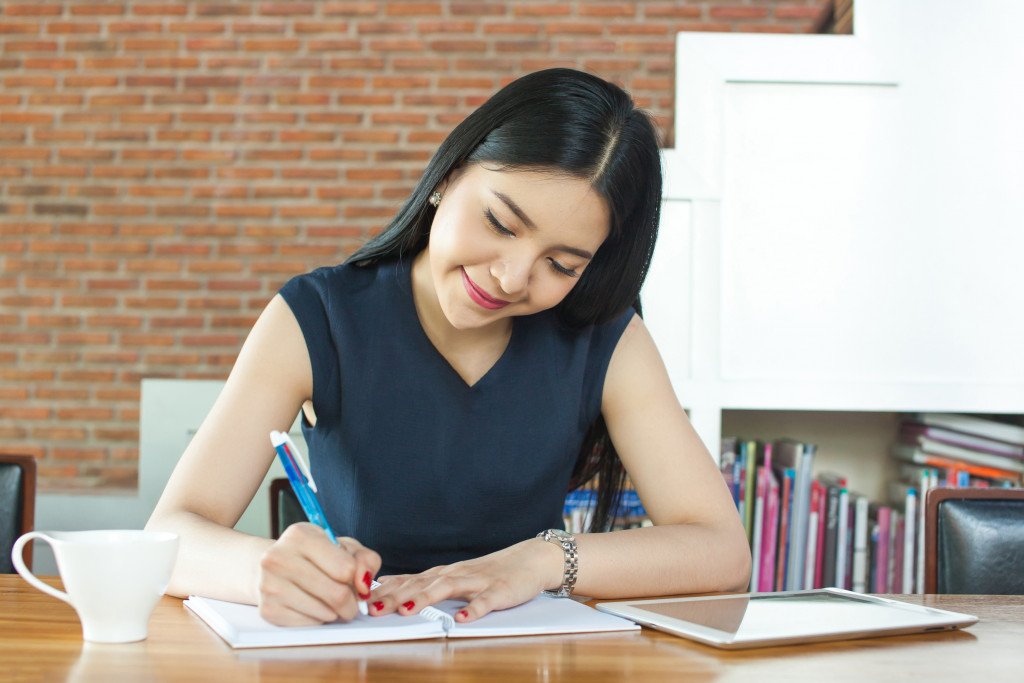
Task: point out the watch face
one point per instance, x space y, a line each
561 535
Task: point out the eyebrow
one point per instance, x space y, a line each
514 208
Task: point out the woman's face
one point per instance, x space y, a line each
510 243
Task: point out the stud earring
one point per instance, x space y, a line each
435 199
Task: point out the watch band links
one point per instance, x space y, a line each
571 568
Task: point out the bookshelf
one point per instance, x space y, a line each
838 241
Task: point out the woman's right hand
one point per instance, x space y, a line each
305 579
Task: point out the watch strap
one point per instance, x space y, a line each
567 542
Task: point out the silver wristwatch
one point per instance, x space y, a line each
568 544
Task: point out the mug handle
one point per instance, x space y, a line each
26 574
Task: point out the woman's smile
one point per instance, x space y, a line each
479 296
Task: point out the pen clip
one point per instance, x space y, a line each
282 438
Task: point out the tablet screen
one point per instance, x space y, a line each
768 616
785 617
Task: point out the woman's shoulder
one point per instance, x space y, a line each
347 279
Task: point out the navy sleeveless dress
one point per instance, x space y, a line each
408 458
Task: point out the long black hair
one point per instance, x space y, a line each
566 122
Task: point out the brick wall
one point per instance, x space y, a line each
166 166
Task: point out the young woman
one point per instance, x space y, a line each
456 375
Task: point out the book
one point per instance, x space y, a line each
749 451
828 573
242 627
911 431
946 450
800 458
968 424
819 561
771 530
851 510
919 457
861 532
755 545
910 540
785 516
842 533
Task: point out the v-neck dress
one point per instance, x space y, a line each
408 458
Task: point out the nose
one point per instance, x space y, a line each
512 274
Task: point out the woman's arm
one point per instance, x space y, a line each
303 577
697 544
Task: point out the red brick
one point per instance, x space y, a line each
350 8
673 10
151 9
738 12
446 27
95 9
302 27
412 8
407 45
799 11
32 9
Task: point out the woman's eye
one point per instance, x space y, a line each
496 224
559 268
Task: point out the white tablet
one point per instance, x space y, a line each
735 622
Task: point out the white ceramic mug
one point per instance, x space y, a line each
113 578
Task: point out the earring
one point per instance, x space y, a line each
435 199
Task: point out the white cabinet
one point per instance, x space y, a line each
843 223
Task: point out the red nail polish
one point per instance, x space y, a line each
463 613
367 579
378 606
364 596
409 605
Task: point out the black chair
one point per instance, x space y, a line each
974 541
284 507
17 506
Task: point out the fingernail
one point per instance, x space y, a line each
364 596
409 605
463 613
367 579
378 606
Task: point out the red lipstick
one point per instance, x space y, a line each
479 296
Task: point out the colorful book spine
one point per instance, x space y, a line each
819 562
757 542
831 537
841 538
785 517
861 534
771 531
882 554
813 522
910 540
749 451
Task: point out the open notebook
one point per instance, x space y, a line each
241 625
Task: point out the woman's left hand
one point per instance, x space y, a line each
497 581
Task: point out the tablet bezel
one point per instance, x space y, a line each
942 620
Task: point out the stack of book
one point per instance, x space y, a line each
961 450
786 513
810 530
948 450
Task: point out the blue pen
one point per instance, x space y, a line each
302 483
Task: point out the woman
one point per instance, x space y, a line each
455 375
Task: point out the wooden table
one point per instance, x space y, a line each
40 639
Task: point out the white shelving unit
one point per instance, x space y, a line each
842 228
